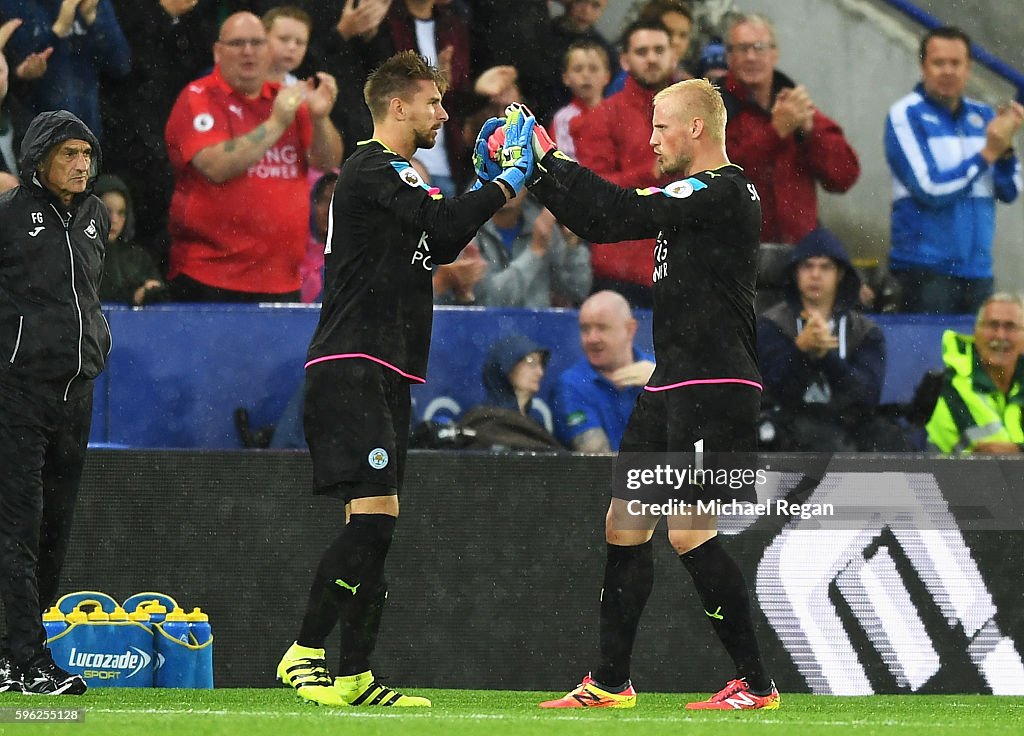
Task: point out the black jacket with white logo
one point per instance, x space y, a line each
53 336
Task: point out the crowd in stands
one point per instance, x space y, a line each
224 123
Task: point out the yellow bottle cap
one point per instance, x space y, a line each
139 616
99 615
118 614
77 616
176 615
153 607
198 615
53 614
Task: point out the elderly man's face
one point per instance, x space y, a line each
997 335
65 171
241 53
752 55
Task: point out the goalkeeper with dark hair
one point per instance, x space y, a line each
387 229
706 224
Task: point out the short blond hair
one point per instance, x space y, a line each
702 98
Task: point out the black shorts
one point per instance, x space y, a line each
356 420
724 416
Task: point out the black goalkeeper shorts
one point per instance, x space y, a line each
724 416
356 420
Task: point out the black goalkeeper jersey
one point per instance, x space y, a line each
707 229
387 229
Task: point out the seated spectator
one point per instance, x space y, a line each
288 30
512 375
129 274
241 148
530 261
594 398
585 71
979 407
823 362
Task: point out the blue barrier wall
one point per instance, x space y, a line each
176 373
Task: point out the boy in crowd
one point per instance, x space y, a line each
586 72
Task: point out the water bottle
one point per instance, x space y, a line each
139 616
202 662
199 625
173 646
54 623
77 616
176 625
118 614
156 610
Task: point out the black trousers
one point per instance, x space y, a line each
42 452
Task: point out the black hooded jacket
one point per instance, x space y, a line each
846 378
53 336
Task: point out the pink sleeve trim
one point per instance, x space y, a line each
384 363
705 381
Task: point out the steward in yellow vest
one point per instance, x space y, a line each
979 409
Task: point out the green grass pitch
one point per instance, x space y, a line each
277 712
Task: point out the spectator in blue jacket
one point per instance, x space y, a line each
595 396
86 40
950 157
822 362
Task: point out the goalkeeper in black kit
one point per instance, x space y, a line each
387 228
706 386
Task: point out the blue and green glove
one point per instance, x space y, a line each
486 153
517 156
541 140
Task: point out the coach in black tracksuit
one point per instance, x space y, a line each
53 343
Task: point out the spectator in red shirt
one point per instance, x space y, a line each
784 143
613 140
241 148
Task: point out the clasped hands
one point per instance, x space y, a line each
507 149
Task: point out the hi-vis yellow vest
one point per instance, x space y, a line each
971 409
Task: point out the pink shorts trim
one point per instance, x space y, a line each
705 381
384 363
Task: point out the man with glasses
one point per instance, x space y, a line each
784 143
979 409
241 148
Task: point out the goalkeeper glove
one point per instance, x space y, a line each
486 153
542 141
517 151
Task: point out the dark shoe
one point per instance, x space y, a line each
9 680
42 676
